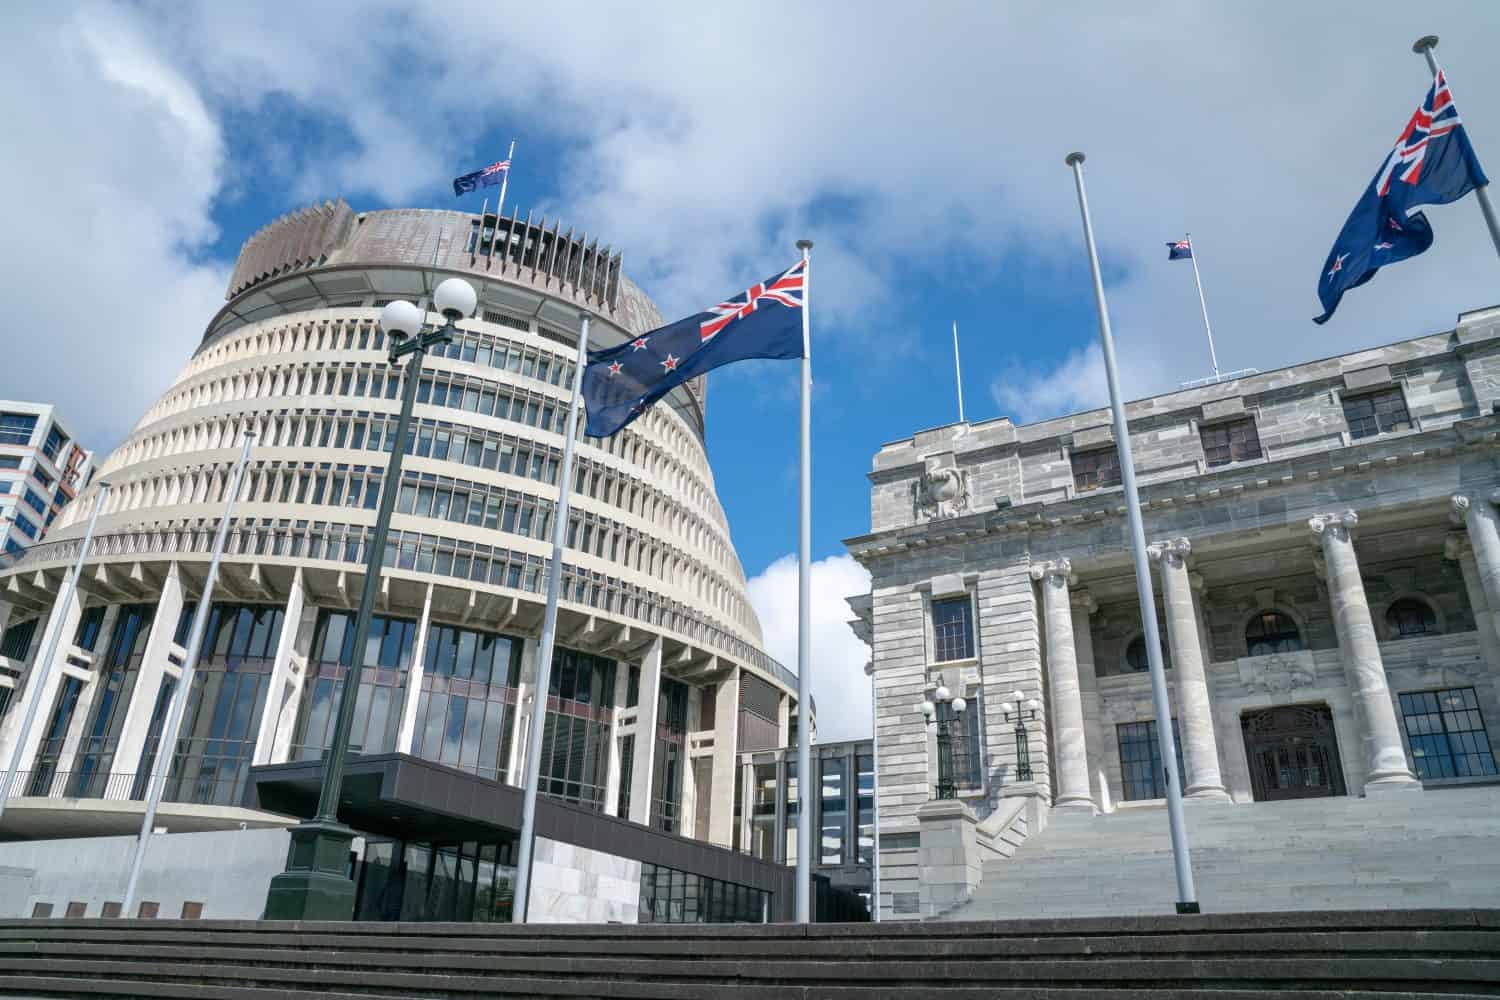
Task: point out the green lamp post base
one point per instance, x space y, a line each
316 884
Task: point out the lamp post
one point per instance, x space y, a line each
316 884
1022 708
947 783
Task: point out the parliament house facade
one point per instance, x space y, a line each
660 680
1325 550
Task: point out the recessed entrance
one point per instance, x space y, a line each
1293 753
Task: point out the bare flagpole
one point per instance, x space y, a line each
504 183
39 668
1187 893
958 373
806 782
549 636
1213 355
1424 47
166 746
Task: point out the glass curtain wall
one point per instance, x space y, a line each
575 742
382 684
671 752
211 763
467 705
420 881
866 818
49 750
116 678
833 816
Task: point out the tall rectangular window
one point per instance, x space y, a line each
18 639
1376 412
54 443
1142 775
1447 734
1231 441
1093 470
833 816
466 708
118 671
667 761
575 738
952 629
966 743
866 819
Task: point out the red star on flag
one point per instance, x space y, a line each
639 343
614 369
671 363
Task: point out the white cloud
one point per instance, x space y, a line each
1077 383
839 684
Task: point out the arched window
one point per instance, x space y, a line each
1135 656
1410 616
1272 632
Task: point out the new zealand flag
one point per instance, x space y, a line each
765 321
1432 164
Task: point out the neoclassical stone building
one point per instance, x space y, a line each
1326 552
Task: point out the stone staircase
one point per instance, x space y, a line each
1381 955
1439 848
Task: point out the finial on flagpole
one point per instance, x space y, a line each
1073 158
1421 45
804 244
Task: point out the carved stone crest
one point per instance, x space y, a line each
1277 674
943 490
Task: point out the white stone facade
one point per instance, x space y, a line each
652 582
1323 538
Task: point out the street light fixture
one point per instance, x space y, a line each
316 884
947 783
1022 708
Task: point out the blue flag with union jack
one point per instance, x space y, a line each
764 321
1431 164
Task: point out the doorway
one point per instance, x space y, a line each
1293 753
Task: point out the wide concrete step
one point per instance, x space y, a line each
1448 953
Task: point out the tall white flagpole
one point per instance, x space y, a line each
549 635
1213 356
167 745
958 373
1424 47
504 183
1187 893
38 673
808 784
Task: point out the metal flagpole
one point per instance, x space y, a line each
1424 46
167 744
874 798
806 781
1187 894
958 374
549 636
40 667
504 183
1213 355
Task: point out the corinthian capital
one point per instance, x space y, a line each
1458 507
1170 551
1062 568
1339 525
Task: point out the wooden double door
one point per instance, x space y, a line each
1293 753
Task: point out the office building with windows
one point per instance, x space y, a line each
659 682
42 468
1325 549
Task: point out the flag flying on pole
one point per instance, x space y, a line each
1180 250
489 176
1431 164
764 321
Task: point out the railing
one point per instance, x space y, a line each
346 544
1199 383
45 782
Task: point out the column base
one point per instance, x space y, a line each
315 884
1075 807
1213 793
1387 786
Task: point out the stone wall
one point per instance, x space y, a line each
575 885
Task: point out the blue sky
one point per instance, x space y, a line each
922 154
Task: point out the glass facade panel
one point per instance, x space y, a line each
575 740
834 817
1447 735
382 684
117 676
763 813
17 640
423 882
467 705
16 428
669 896
49 750
866 766
671 752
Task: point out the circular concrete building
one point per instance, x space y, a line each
660 677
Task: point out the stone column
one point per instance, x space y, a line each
1195 721
645 735
275 729
406 732
1483 525
1084 607
1072 767
1385 758
726 724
